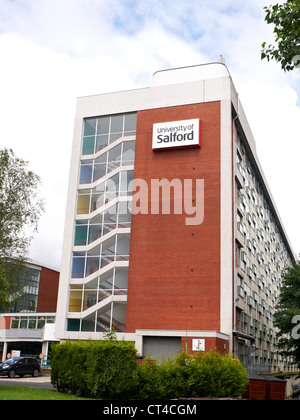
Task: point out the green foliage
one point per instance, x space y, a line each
188 376
110 335
10 282
20 206
112 369
286 20
20 209
3 288
108 369
150 385
103 369
287 313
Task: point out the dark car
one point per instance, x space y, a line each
20 366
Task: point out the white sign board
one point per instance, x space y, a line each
15 353
176 134
198 344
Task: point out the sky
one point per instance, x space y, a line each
54 51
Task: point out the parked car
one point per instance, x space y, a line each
20 366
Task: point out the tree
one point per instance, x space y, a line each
3 288
20 209
287 313
286 18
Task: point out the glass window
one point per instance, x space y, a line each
110 215
114 158
88 324
90 299
115 153
128 153
109 223
108 247
101 142
73 324
40 323
104 294
50 319
119 317
75 300
92 265
123 243
29 279
90 127
106 280
88 145
78 266
108 252
99 132
116 124
130 122
112 188
103 125
86 172
103 321
116 128
99 171
80 235
101 159
23 323
124 212
97 200
83 203
126 182
15 323
32 323
121 278
95 232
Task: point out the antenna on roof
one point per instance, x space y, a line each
222 59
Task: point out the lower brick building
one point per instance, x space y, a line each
172 236
28 325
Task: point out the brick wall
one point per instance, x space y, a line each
211 344
174 272
48 290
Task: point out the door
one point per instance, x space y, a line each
21 367
161 348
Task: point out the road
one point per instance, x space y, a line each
39 382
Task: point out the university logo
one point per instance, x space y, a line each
176 134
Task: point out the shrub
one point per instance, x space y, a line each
102 369
216 375
149 382
199 375
112 369
108 369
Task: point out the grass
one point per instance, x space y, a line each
24 393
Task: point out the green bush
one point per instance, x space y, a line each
102 369
187 376
216 375
149 385
108 369
112 369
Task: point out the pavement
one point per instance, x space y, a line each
39 382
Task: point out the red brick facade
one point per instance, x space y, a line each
211 344
174 272
48 290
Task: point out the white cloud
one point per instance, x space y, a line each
53 51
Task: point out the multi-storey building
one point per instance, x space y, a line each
28 324
172 236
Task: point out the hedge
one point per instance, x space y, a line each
109 370
187 376
102 369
